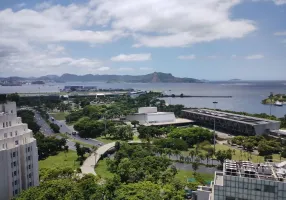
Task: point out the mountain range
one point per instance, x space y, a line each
156 77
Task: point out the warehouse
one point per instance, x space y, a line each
232 123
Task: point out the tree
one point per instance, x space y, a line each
79 150
13 97
134 123
55 127
144 190
195 165
192 154
221 156
181 95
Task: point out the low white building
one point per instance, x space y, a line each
147 115
150 116
18 154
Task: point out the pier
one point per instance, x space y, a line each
194 96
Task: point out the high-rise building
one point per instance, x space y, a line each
245 180
18 154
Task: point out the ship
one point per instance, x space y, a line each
278 103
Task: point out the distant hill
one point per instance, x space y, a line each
156 77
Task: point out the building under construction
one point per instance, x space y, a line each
232 123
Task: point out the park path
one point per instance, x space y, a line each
89 164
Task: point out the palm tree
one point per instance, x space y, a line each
177 153
195 165
192 154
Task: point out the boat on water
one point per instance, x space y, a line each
278 103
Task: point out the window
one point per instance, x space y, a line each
30 184
269 188
229 198
30 175
16 132
5 135
11 134
15 182
15 173
10 123
14 154
6 124
29 166
16 142
28 149
28 158
14 163
11 111
16 191
3 146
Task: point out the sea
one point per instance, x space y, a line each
246 95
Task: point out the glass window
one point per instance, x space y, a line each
16 191
30 175
16 132
3 146
29 166
15 173
3 124
30 183
28 149
29 158
15 182
5 135
16 142
9 123
269 188
14 154
11 134
229 198
14 163
6 124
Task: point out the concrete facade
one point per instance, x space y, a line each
246 181
18 154
149 115
233 123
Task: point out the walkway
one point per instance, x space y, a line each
91 161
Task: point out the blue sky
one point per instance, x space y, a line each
206 39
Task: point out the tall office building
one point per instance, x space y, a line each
245 180
18 154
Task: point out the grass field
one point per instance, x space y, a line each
101 170
60 160
105 140
184 174
59 115
239 154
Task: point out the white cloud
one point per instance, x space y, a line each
279 2
146 68
20 5
43 5
254 57
175 22
187 57
131 57
125 69
280 33
233 56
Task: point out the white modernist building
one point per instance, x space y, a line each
244 180
18 154
150 116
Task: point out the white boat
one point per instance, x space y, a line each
278 103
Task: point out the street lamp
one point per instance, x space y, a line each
215 102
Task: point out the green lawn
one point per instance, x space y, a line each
239 154
59 115
60 160
105 140
101 170
184 174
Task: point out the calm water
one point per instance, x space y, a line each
246 95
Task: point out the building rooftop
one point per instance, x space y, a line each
229 116
267 171
176 122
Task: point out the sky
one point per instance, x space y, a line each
205 39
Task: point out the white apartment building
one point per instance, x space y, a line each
18 154
244 180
